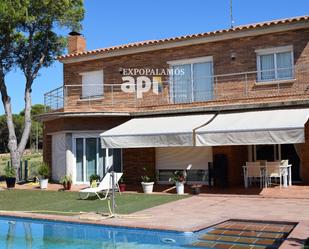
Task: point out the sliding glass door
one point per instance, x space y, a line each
92 159
91 156
79 160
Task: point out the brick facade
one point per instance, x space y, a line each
237 157
135 160
305 157
76 44
230 91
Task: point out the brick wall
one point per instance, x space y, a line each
245 61
76 44
47 149
134 160
305 157
237 157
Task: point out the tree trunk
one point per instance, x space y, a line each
12 143
27 121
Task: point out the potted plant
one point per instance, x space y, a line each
66 181
122 185
10 176
93 179
44 174
196 189
179 178
147 183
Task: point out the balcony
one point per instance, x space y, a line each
220 89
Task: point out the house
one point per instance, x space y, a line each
182 103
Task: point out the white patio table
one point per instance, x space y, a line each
285 171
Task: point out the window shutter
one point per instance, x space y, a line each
92 84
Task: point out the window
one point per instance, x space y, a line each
192 176
194 160
192 80
267 152
92 84
92 159
275 63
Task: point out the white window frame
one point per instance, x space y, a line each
100 95
190 62
273 51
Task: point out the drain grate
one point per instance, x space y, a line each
238 234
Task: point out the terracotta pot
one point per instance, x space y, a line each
67 185
196 189
122 187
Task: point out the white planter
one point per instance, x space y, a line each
180 188
43 183
147 187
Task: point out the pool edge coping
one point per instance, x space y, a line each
76 220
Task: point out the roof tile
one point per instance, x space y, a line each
186 37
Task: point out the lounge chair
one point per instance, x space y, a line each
104 187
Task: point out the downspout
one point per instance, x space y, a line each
208 122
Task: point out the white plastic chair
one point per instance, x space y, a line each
273 171
253 171
104 186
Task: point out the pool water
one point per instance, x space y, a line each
17 233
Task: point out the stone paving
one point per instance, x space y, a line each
198 212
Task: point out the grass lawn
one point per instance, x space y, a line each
33 200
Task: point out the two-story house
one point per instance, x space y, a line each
178 103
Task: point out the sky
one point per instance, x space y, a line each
115 22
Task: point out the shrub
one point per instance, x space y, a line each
44 171
9 171
66 179
146 178
94 177
178 176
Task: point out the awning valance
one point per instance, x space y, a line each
255 127
154 132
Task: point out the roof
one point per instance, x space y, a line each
188 37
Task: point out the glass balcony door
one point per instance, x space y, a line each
194 84
92 159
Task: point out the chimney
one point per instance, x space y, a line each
76 43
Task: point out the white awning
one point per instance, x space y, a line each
255 127
154 132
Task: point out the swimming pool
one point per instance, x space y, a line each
18 233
